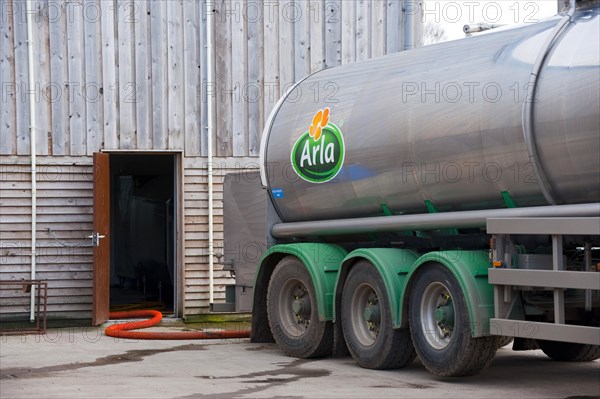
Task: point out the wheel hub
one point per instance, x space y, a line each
365 314
437 312
444 314
295 308
298 307
301 306
372 312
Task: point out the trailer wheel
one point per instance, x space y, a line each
569 352
367 322
440 326
292 312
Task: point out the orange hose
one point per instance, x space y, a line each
123 330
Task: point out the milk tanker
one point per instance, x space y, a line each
434 202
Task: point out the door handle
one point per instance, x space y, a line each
95 238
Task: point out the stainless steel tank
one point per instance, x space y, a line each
440 128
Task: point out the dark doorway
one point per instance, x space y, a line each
143 234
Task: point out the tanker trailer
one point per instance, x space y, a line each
436 201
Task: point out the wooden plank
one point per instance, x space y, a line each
76 84
43 201
64 226
66 292
8 114
194 297
54 177
203 79
109 78
286 47
126 19
22 80
45 218
25 193
348 32
197 165
239 69
176 111
54 210
317 35
271 56
223 78
203 274
41 43
58 76
82 280
158 39
61 284
63 169
44 160
202 196
198 283
363 30
394 36
254 89
47 234
65 315
44 269
42 186
93 68
191 56
175 75
378 20
333 33
192 226
301 20
143 69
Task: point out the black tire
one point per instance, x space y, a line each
299 333
445 347
371 339
503 341
569 352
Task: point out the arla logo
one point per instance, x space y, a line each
318 154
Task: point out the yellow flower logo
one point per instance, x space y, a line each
320 120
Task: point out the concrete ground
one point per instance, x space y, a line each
83 363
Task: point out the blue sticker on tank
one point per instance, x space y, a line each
277 193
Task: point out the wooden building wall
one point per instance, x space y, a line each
64 256
132 75
64 218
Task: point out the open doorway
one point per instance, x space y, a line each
143 200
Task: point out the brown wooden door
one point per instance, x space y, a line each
100 239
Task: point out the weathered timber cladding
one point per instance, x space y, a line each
64 218
64 255
132 75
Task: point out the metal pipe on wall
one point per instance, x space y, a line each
210 79
30 10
